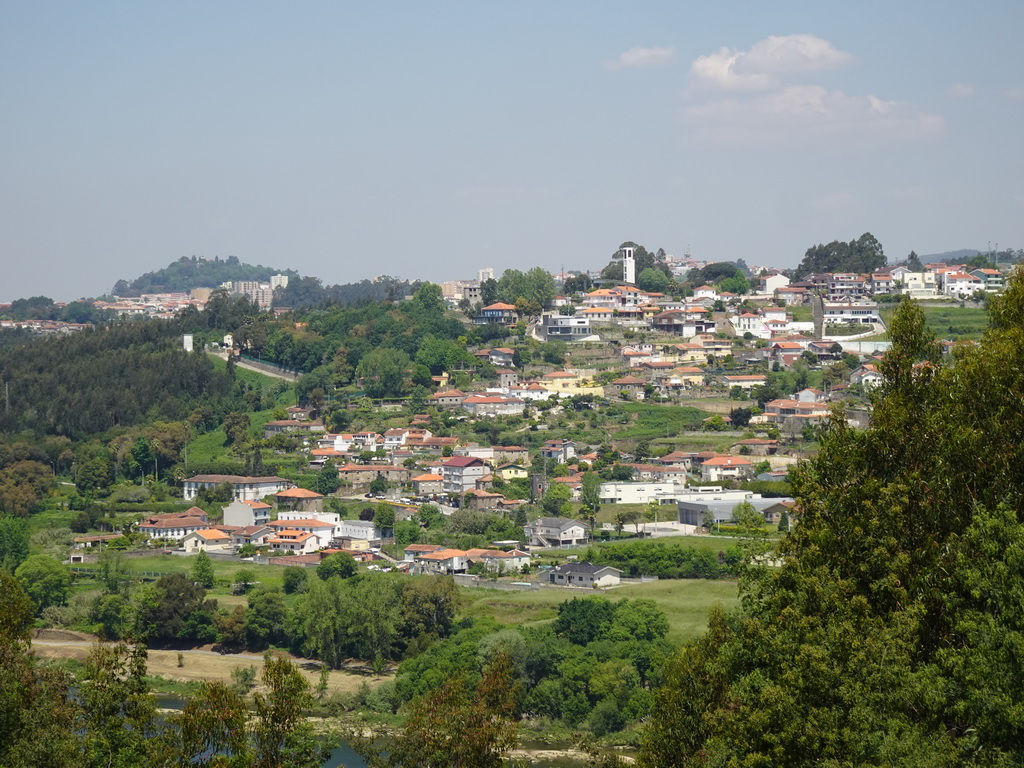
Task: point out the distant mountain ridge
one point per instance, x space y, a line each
950 257
187 273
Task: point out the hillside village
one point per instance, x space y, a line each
740 381
364 486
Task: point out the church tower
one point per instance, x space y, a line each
628 266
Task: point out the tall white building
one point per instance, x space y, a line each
628 266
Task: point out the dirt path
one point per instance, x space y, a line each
202 663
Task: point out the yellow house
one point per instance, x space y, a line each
567 383
688 353
511 472
689 377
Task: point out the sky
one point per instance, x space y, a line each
426 140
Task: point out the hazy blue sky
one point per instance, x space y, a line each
427 139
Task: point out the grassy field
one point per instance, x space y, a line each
646 421
223 571
686 603
950 321
801 313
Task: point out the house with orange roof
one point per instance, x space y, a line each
412 551
597 314
867 375
781 410
257 535
631 385
175 525
428 484
450 398
300 499
499 312
991 279
206 540
723 467
443 561
296 542
493 405
745 382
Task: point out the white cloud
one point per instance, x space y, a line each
762 67
1013 94
766 105
960 91
642 57
801 111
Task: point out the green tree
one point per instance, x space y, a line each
903 576
45 580
653 280
236 427
294 579
173 608
455 726
383 372
378 486
245 578
13 543
556 500
266 621
339 564
320 620
202 570
590 495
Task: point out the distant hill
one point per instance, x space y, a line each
950 257
188 273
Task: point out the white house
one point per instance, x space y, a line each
555 532
246 513
244 488
442 561
641 493
584 575
722 467
357 529
845 313
461 473
867 376
960 284
771 283
175 526
297 542
324 531
207 539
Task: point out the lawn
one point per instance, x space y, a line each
223 571
686 603
646 421
950 321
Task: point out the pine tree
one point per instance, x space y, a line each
202 570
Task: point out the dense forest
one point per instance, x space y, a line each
117 375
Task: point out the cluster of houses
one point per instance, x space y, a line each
937 280
302 526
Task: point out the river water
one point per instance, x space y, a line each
342 756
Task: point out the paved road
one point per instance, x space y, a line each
291 378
